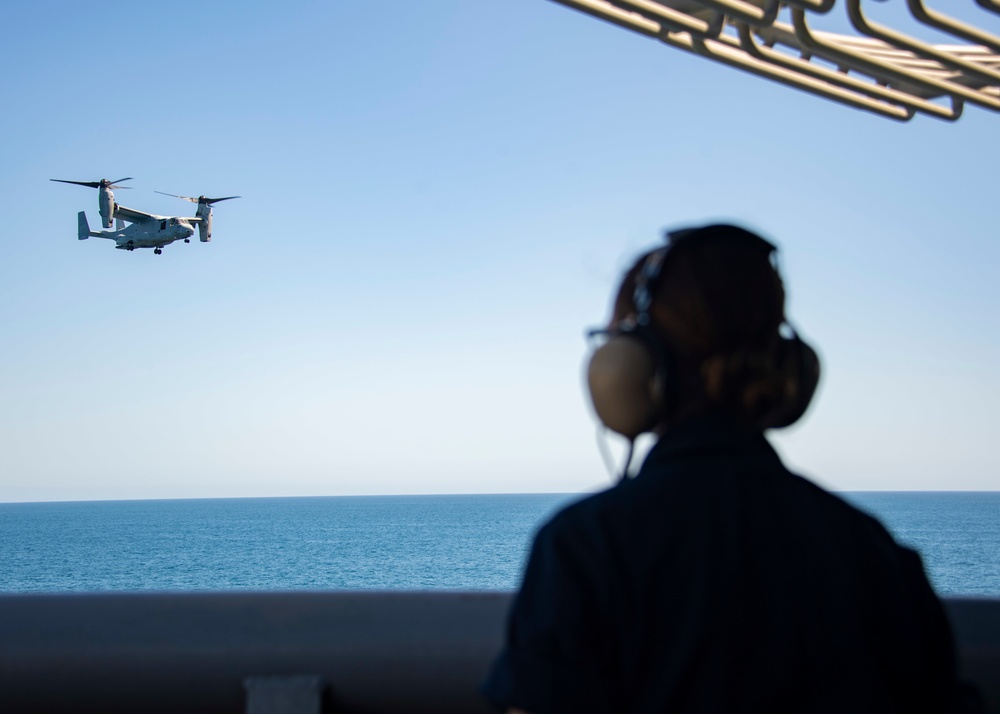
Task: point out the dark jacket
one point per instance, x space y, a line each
718 581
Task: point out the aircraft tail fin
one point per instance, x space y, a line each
82 227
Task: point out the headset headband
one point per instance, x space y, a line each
652 267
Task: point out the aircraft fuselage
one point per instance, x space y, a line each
155 233
152 234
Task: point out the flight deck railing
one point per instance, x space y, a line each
296 652
880 69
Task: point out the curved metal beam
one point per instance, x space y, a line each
749 43
985 74
890 71
948 24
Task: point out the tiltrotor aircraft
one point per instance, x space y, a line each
147 230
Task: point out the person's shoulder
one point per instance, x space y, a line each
584 511
836 512
590 521
618 514
833 501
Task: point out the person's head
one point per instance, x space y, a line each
696 329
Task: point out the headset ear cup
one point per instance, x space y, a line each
799 366
624 386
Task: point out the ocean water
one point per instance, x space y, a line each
358 542
387 542
956 533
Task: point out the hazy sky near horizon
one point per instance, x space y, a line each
438 197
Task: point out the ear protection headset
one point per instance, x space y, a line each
630 377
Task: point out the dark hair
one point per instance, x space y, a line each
718 306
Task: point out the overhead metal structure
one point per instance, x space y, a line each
880 69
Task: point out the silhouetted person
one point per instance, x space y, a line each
715 580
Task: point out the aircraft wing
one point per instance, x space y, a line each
133 216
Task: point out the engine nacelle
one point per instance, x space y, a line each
204 212
106 201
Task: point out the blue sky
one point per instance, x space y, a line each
438 197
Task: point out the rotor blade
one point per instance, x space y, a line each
91 184
127 178
186 198
210 201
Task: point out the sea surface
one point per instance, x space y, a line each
388 542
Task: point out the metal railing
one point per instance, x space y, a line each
880 70
295 652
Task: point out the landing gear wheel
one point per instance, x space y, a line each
130 246
157 251
186 240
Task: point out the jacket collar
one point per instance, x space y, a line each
707 434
